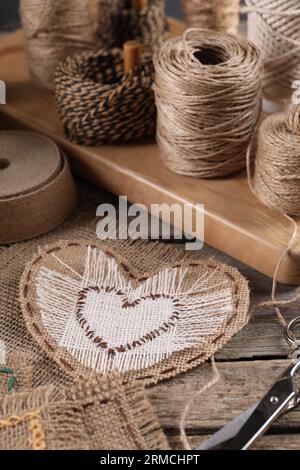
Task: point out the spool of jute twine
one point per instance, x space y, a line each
54 29
37 192
217 15
124 20
208 97
277 168
274 26
106 96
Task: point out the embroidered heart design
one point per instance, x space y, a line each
89 311
128 333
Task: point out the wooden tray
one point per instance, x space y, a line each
235 222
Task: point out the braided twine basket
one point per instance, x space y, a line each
118 23
98 103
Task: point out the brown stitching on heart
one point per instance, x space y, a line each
167 371
49 346
26 290
195 358
37 260
67 362
100 342
53 250
29 309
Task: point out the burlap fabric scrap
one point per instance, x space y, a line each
98 103
15 375
119 22
89 310
143 256
99 414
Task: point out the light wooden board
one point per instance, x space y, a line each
235 222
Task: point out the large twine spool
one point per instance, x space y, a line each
217 15
54 29
277 167
274 26
208 97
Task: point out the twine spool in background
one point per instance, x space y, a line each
208 88
37 192
112 103
54 29
217 15
124 20
274 26
277 168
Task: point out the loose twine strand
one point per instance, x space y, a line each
196 77
274 26
279 138
217 15
194 396
276 183
54 30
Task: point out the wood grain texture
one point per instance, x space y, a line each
242 384
235 222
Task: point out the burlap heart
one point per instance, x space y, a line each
90 311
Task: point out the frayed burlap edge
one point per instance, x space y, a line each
46 406
177 363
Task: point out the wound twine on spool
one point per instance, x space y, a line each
54 30
217 15
208 97
37 192
124 20
110 105
276 182
277 167
274 26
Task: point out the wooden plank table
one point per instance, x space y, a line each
235 222
254 359
249 364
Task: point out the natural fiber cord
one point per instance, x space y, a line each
54 29
217 15
98 103
274 26
277 167
120 21
208 97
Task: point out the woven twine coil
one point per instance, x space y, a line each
208 97
54 29
277 167
37 192
217 15
274 26
109 105
119 22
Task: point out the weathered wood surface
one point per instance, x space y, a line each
248 365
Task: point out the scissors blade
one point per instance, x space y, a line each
227 432
275 402
241 433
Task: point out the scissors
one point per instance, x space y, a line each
283 396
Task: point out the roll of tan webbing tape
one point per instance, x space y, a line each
37 191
